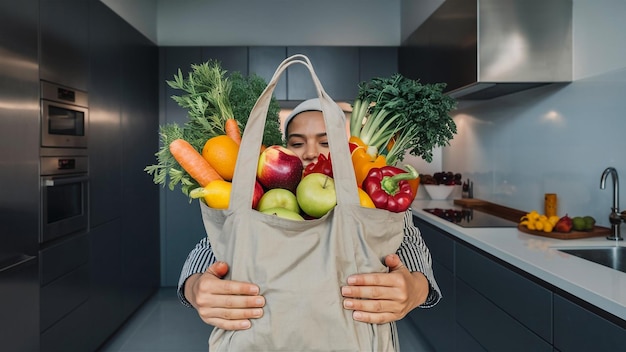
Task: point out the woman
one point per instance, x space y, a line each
374 298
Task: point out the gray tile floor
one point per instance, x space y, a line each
163 324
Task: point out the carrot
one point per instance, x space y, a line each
231 128
193 162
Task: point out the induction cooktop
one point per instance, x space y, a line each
466 217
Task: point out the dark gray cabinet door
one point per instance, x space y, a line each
105 95
577 328
336 67
492 327
64 44
521 298
105 300
438 324
140 196
377 62
263 61
231 58
19 175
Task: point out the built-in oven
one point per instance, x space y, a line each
64 116
64 192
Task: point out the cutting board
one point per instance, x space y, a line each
515 215
596 232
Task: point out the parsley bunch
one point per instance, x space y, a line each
420 112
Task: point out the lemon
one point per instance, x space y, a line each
553 219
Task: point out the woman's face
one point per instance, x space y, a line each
306 136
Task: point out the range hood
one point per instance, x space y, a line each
483 49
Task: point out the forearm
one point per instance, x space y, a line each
189 292
196 263
415 255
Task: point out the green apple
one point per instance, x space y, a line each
283 213
316 194
278 198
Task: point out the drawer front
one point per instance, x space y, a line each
524 300
63 257
61 296
72 333
440 245
491 327
437 324
578 329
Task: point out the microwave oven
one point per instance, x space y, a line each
64 116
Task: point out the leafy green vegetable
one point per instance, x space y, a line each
424 121
210 97
244 94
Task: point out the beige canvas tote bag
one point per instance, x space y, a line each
300 266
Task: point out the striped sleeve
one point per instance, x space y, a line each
197 261
415 255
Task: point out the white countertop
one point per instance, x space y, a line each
599 285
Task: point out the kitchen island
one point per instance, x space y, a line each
557 282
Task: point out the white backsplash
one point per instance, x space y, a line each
554 139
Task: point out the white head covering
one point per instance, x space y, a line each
307 105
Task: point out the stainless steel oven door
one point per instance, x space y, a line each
63 125
64 195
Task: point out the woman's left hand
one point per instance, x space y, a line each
380 298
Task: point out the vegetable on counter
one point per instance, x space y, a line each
389 189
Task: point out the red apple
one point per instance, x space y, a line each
316 194
279 167
258 193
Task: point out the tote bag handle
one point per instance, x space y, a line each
334 118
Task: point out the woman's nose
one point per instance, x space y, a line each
311 153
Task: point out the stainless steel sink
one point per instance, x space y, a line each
612 257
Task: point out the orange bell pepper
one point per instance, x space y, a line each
363 159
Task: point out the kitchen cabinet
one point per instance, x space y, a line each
105 96
231 58
438 323
64 53
263 61
493 305
336 67
119 266
578 328
19 175
140 196
377 62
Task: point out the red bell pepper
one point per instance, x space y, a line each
322 166
389 188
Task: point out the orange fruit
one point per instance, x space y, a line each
221 153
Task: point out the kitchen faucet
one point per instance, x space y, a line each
614 218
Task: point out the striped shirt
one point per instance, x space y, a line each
413 253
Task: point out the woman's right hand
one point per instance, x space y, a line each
225 304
